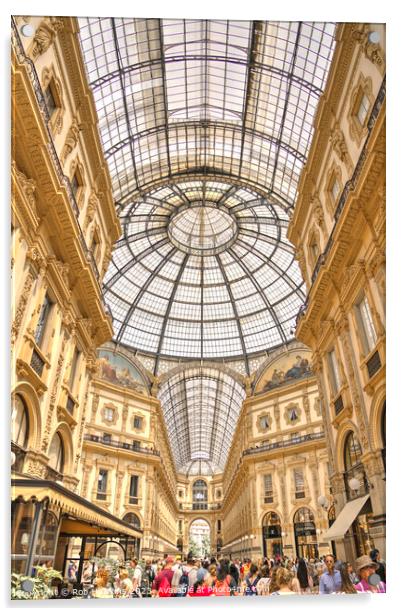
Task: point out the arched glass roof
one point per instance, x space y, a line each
233 96
206 126
201 406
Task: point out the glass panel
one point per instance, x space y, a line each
40 328
367 324
19 422
56 453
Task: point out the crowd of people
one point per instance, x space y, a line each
192 577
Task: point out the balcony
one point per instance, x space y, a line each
283 444
94 438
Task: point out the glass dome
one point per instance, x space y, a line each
189 280
206 126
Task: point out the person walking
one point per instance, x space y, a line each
305 580
263 583
330 580
280 582
251 580
347 588
365 568
375 557
136 577
162 584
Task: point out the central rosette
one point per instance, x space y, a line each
202 229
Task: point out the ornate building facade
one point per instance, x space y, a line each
275 440
338 229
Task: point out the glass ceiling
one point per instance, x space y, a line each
206 126
237 97
203 270
201 406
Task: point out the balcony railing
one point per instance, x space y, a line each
293 441
94 438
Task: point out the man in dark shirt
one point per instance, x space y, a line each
375 556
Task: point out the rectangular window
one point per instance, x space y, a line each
75 185
102 484
299 484
107 438
137 422
133 496
363 109
264 422
73 370
49 100
335 189
109 414
136 444
366 325
219 526
268 491
333 371
43 317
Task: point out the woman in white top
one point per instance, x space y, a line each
263 583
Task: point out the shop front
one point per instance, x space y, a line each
305 534
54 527
272 535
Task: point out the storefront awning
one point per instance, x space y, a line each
72 504
345 519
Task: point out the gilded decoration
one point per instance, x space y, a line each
45 35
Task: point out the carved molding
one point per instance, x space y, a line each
338 143
21 307
372 51
71 140
45 35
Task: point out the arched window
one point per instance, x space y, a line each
355 477
200 494
305 533
383 435
352 451
271 535
46 545
19 422
132 519
56 453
